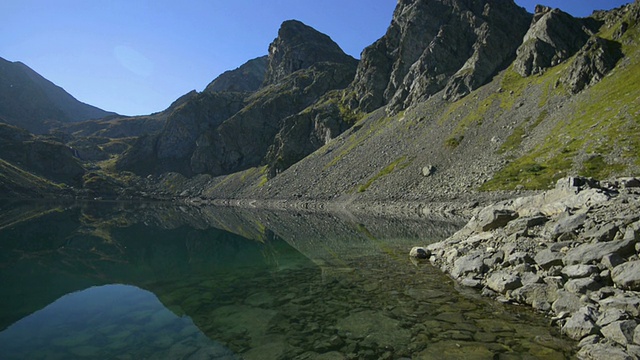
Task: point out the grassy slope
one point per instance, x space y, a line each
600 138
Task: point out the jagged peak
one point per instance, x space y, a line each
299 46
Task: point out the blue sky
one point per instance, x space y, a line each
137 56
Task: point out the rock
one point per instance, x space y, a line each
581 324
602 351
428 170
620 331
636 335
629 304
609 316
548 258
627 275
581 286
566 302
420 253
553 37
471 263
491 218
604 233
612 260
503 281
520 257
535 294
588 253
579 271
596 58
566 228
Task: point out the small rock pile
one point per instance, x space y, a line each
571 252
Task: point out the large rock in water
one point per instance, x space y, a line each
436 44
553 37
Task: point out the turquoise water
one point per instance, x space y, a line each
143 281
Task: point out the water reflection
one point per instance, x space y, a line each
106 322
260 285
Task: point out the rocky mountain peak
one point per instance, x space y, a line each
431 45
553 37
299 46
248 77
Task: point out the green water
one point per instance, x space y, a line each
143 281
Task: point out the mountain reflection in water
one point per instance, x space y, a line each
224 283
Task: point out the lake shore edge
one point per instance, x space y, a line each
570 252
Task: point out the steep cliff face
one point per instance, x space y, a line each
553 37
298 47
34 103
436 44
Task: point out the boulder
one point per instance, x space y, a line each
579 271
620 331
602 351
493 217
502 281
566 302
548 258
627 275
582 286
587 253
419 252
471 263
581 324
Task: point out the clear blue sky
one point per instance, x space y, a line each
137 56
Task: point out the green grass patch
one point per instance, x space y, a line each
400 163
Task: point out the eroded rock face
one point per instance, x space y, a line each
596 58
298 47
432 45
553 37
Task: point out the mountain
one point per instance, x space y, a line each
34 103
221 130
563 102
459 100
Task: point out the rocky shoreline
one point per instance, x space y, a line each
571 252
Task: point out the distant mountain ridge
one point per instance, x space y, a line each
34 103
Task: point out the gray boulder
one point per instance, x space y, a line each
579 271
548 258
471 263
620 331
581 324
502 281
627 275
587 253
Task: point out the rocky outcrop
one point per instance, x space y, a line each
553 37
247 78
571 252
172 148
433 45
307 131
34 103
298 47
596 58
49 159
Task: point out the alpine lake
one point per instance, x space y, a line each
163 281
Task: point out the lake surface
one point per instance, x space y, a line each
154 281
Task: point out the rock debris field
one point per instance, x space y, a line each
571 252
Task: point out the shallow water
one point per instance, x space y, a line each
135 281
